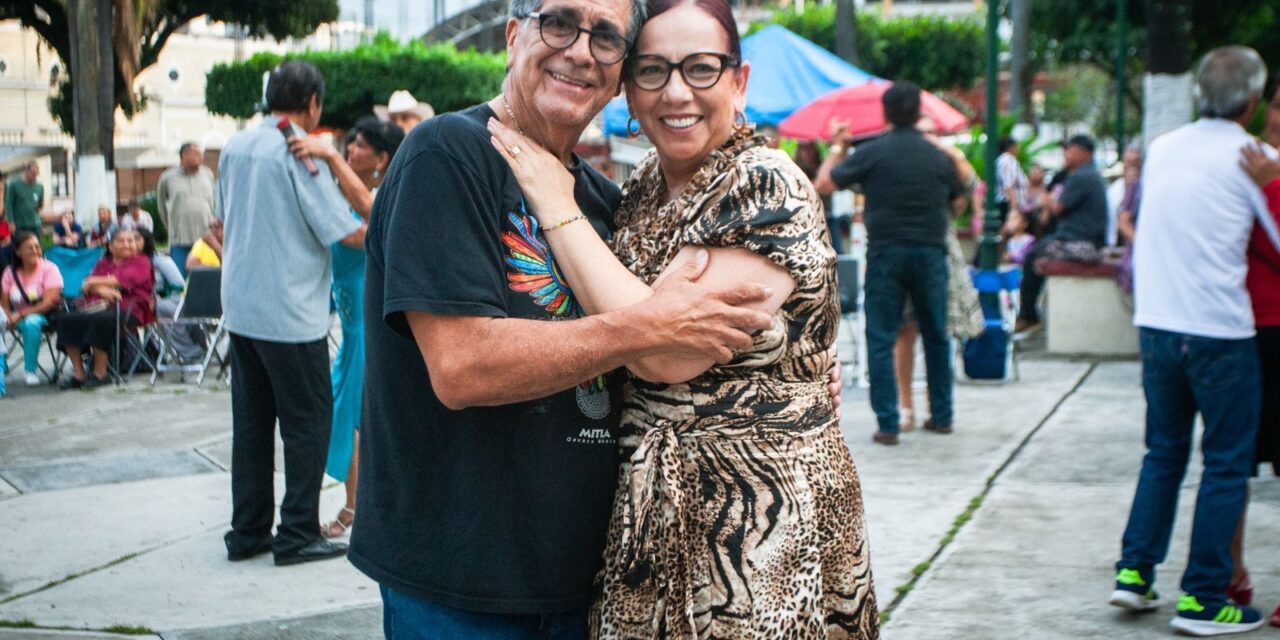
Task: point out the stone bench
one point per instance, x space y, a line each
1086 311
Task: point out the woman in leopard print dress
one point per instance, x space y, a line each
739 512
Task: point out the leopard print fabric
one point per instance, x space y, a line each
739 511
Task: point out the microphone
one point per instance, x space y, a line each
286 129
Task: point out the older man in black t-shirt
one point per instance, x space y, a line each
1079 214
488 454
909 184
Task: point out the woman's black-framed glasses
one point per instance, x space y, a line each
700 70
561 32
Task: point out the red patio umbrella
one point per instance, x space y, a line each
861 105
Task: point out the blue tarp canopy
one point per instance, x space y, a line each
787 72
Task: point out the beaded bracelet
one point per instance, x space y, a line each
563 223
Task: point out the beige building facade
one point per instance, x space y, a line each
146 145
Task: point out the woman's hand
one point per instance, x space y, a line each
110 295
546 184
308 146
1262 169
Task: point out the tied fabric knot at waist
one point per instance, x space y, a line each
655 543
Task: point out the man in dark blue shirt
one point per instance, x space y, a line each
1080 213
909 184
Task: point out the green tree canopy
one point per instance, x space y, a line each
935 52
362 77
1086 30
143 27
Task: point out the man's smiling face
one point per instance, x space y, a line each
566 87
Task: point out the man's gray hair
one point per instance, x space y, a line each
1226 79
639 12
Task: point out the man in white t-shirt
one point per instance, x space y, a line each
1198 354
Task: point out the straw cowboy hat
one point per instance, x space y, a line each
402 101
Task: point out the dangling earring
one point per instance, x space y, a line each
633 132
376 173
741 126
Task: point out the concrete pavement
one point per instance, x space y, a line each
113 503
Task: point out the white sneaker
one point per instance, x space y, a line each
32 379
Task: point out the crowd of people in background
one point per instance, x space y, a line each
462 284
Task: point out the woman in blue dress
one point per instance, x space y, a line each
370 146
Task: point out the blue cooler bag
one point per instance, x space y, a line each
986 356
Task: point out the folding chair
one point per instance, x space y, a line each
74 265
849 287
977 363
201 307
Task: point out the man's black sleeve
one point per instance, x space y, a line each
439 240
852 170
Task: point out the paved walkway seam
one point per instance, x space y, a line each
963 518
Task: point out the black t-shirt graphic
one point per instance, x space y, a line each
489 509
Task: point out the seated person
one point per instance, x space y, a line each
105 228
120 286
67 232
31 289
187 341
1020 241
135 217
169 280
207 251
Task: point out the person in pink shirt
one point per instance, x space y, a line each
31 288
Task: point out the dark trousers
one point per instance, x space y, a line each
1181 375
405 617
289 382
895 274
1032 281
1268 449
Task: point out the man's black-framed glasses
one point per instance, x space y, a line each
560 31
700 70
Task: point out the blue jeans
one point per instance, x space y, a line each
405 617
895 274
179 253
1221 379
30 328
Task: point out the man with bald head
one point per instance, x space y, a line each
1197 339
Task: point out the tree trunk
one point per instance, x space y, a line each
92 66
847 31
1020 76
1167 85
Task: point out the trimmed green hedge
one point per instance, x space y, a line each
357 79
935 52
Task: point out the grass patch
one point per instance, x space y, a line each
69 578
130 630
118 629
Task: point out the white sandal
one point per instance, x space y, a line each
328 529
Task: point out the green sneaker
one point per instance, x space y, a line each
1195 619
1134 592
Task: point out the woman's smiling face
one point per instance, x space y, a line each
685 123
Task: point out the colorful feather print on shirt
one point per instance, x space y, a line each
531 269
